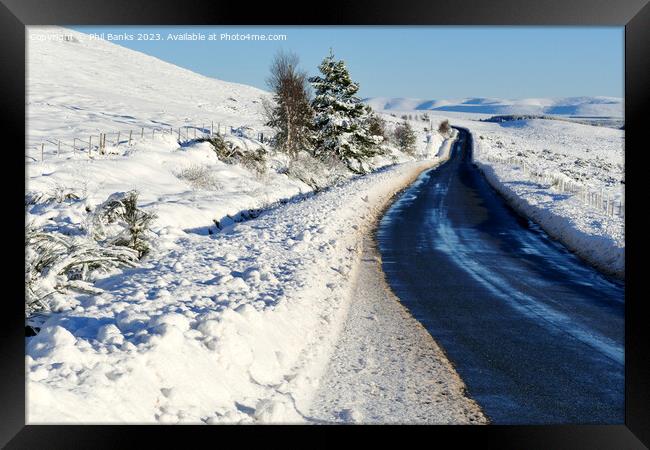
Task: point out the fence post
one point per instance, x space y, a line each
142 133
211 128
118 138
42 153
130 135
194 132
153 133
58 148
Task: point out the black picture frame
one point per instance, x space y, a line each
633 14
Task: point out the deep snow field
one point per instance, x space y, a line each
215 325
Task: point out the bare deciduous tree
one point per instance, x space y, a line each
290 113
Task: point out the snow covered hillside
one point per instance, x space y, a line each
590 157
571 106
226 319
83 86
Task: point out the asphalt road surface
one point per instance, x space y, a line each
536 334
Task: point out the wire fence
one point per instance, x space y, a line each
97 143
597 199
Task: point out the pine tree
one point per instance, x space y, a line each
341 119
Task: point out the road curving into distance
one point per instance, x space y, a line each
536 334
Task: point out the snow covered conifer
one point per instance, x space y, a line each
341 119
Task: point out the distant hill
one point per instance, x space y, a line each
567 106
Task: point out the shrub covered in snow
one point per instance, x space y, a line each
55 262
58 194
199 177
316 173
377 126
119 221
444 128
405 137
254 160
230 153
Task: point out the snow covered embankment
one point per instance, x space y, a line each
236 327
590 233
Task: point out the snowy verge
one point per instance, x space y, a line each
386 367
591 234
234 327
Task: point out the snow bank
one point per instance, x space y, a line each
234 327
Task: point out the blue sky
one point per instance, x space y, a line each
422 62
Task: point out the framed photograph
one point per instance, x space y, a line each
367 214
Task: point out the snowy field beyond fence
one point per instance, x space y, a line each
599 200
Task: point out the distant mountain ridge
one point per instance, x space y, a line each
570 106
